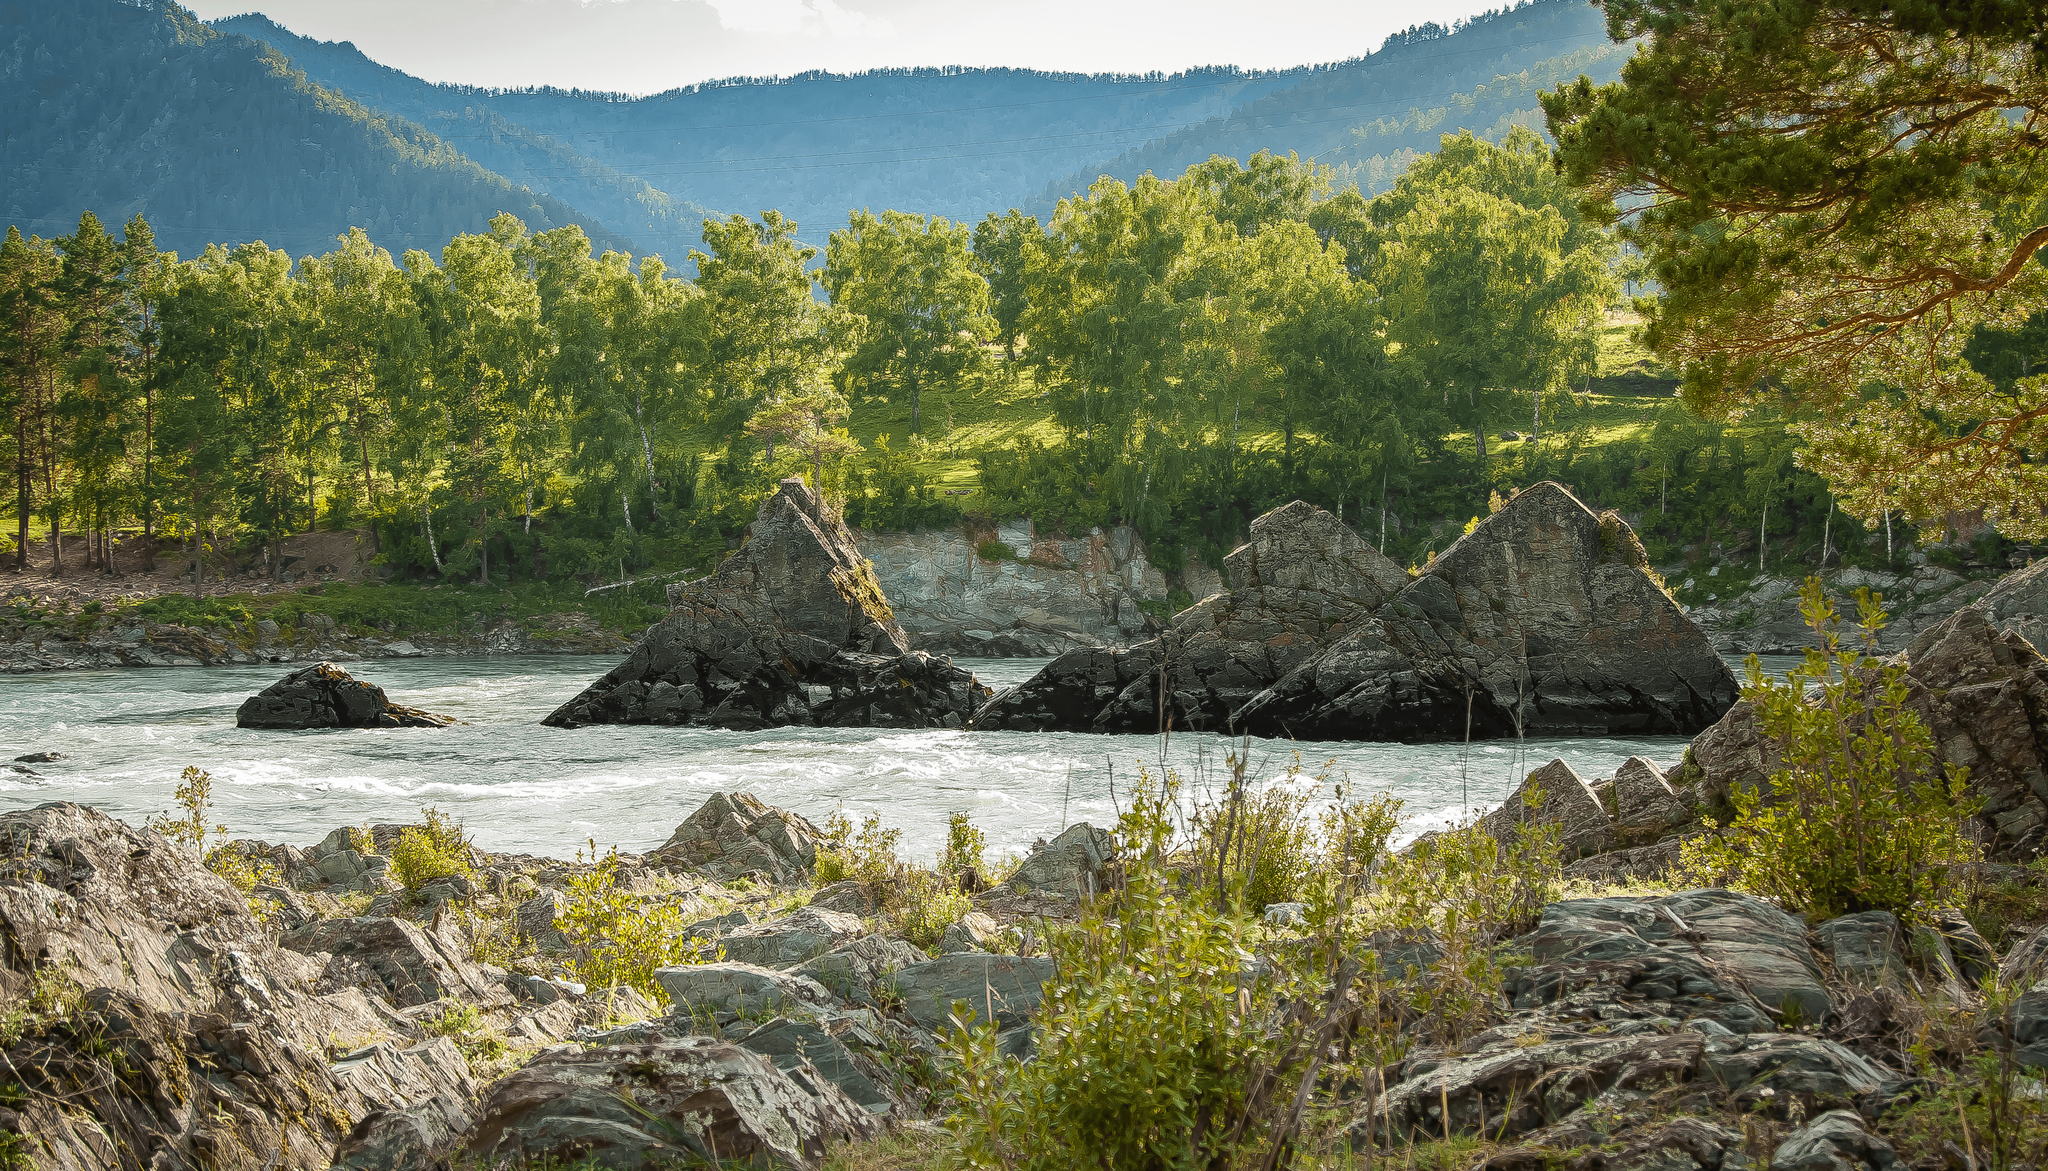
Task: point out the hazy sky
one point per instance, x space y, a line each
644 46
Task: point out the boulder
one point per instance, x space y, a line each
1003 988
973 932
806 1049
848 895
1556 794
1736 960
1785 1064
859 973
740 988
219 1037
663 1102
1835 1141
325 696
1543 620
804 934
1644 803
1520 1088
1983 694
792 629
2018 604
1865 947
413 964
2026 963
537 920
736 833
416 1136
1300 583
1071 864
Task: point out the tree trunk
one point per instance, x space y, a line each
914 394
21 471
647 452
1762 536
56 540
427 519
1383 511
148 478
484 545
626 510
1827 534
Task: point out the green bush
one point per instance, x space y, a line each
922 905
615 938
1863 815
191 827
966 850
434 849
866 855
995 551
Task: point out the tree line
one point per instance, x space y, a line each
1203 345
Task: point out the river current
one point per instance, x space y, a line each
522 787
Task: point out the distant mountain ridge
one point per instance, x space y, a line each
242 129
123 109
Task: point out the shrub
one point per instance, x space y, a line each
1863 816
867 855
995 551
615 938
194 796
966 850
51 997
922 905
1257 846
434 849
1175 1033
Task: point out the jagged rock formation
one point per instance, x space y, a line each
1542 621
792 629
325 696
1301 582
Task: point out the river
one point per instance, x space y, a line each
522 787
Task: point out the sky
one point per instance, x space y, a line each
646 46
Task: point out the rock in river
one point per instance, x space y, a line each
325 696
1543 620
792 629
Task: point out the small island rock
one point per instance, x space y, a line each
325 696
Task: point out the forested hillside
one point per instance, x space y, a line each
146 111
652 219
1372 116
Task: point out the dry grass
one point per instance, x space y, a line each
908 1150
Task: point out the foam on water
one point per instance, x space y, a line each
520 786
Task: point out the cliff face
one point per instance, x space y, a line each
1051 594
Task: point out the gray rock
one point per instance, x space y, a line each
326 696
2018 604
1497 1085
1865 947
1541 621
804 1049
412 964
735 833
1583 823
792 629
1299 584
1711 953
1003 988
45 757
2027 962
1789 1063
406 1138
861 973
718 926
1070 864
847 896
633 1106
974 931
1644 804
803 934
2025 1027
742 988
1835 1141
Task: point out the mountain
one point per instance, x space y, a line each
1368 117
655 220
123 109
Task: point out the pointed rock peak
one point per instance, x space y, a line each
1555 793
1299 546
804 562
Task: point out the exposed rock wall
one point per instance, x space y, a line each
1054 595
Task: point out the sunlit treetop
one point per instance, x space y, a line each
1835 198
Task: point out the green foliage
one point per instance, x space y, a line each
1845 267
994 550
1259 839
966 848
51 998
617 938
481 1044
1863 815
922 904
192 827
434 849
867 854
